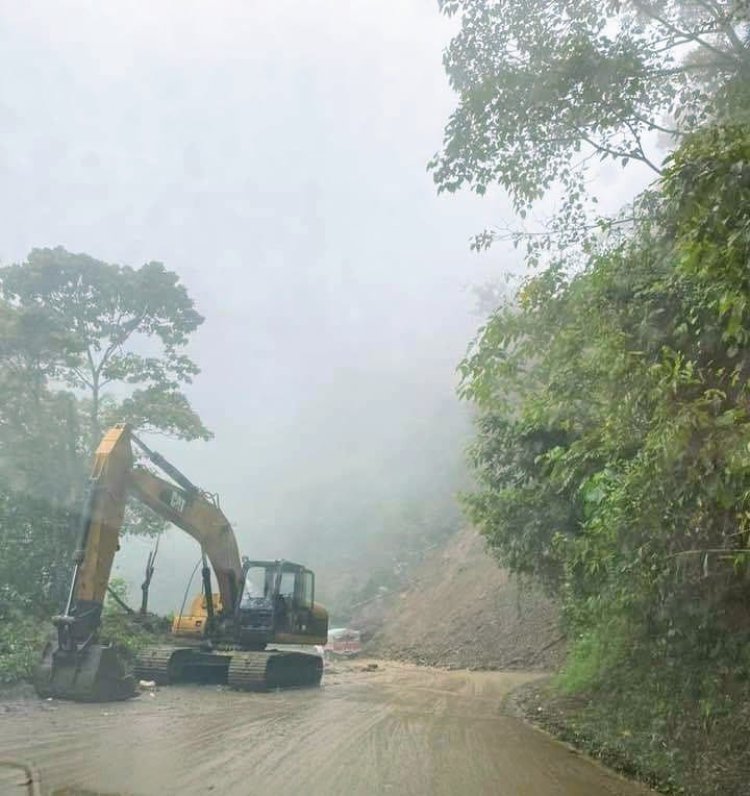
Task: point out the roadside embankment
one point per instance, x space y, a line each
694 754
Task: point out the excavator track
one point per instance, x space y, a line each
264 671
153 664
243 671
165 665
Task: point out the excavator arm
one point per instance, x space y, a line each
101 520
202 519
75 665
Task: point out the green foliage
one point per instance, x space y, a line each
36 542
649 721
73 320
21 639
546 89
126 634
540 82
40 450
613 445
130 633
612 454
594 655
670 709
109 315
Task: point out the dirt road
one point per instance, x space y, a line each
398 729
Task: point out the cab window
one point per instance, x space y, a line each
307 589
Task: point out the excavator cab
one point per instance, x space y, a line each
278 605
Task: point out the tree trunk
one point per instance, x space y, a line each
96 432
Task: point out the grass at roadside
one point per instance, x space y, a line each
679 750
21 642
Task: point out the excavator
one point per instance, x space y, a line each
223 637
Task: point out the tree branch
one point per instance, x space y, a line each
687 36
507 233
726 24
127 330
79 374
643 157
615 153
654 126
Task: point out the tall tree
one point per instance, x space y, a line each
126 330
40 451
41 465
544 87
613 446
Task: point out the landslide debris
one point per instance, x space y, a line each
461 610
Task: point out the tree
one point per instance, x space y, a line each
41 474
543 87
612 458
112 318
37 541
40 436
613 446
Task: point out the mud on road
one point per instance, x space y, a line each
397 729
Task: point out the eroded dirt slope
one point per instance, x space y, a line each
463 611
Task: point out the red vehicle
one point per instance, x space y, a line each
342 641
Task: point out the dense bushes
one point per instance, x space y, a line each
37 541
613 446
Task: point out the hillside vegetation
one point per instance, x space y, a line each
613 455
612 449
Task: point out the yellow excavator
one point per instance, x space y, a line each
223 638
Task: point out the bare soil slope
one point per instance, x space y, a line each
463 611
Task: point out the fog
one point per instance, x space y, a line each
273 154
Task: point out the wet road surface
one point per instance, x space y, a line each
396 730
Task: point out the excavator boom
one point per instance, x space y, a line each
201 519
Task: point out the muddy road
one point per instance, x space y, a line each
398 729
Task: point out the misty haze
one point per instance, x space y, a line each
408 341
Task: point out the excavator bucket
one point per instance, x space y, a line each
94 674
